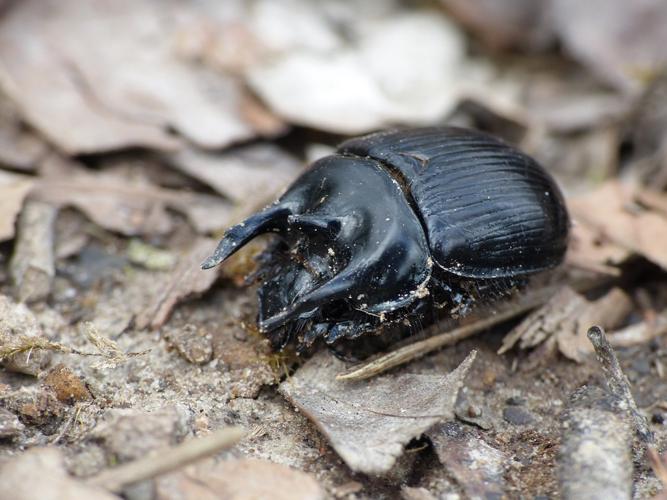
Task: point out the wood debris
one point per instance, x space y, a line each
595 459
32 267
564 322
477 467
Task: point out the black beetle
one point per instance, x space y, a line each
397 223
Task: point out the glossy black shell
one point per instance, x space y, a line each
397 224
489 210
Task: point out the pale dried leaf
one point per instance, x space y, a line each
566 318
239 480
13 190
613 211
403 68
242 174
41 473
95 77
369 422
504 24
125 205
623 42
590 249
20 148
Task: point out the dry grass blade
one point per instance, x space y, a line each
106 348
160 463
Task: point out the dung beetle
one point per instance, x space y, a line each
396 225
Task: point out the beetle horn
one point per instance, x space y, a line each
312 222
240 234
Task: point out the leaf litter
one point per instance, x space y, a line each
154 127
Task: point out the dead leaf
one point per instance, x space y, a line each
504 24
242 174
478 467
126 205
89 89
369 422
405 68
239 480
565 320
613 210
20 148
13 190
186 280
590 249
18 478
622 42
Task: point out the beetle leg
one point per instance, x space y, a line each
240 234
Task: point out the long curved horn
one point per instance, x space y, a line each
240 234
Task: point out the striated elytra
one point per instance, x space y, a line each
397 224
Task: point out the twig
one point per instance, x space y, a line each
118 478
595 459
32 267
529 299
617 382
418 349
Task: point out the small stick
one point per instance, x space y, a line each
527 301
418 349
116 479
617 381
32 267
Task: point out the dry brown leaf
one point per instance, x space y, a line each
102 76
243 174
239 480
13 190
565 320
186 280
20 148
504 24
41 473
613 210
621 41
369 422
589 249
126 205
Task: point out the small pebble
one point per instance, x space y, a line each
474 411
516 415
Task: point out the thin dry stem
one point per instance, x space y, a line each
118 478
